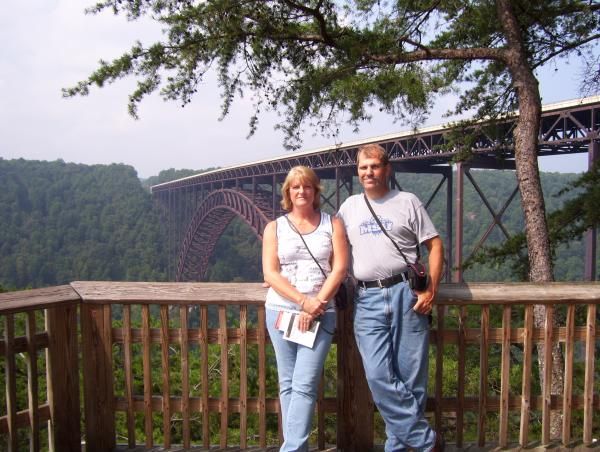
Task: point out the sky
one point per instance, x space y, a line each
48 45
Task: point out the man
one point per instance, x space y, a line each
391 323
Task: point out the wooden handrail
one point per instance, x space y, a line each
155 334
36 299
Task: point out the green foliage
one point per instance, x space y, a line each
237 255
567 224
64 222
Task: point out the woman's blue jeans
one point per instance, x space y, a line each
299 369
393 341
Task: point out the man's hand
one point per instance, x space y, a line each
425 300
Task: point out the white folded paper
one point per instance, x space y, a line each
288 323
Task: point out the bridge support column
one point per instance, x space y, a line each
591 235
458 242
449 238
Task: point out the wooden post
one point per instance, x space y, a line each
97 378
355 406
63 378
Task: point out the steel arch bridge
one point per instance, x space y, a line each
208 223
197 209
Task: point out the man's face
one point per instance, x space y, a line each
372 175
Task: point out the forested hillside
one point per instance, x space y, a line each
63 222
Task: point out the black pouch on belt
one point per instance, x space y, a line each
417 276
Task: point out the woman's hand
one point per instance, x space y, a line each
304 321
313 306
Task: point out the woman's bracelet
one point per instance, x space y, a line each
302 303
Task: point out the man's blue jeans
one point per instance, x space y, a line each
299 369
393 341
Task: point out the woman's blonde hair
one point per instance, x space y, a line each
303 174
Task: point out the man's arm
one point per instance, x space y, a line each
425 300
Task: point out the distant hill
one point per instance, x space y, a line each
62 222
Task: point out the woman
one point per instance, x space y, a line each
298 285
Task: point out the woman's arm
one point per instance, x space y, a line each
272 274
339 261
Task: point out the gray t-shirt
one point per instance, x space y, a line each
405 220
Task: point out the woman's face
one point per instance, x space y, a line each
302 193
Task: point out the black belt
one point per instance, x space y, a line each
385 282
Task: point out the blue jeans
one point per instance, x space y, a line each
393 341
299 369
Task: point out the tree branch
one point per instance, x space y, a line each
475 53
565 48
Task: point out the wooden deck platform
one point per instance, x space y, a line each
449 448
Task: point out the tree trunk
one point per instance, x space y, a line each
526 142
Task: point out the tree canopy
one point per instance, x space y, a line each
313 59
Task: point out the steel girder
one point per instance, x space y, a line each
567 127
208 223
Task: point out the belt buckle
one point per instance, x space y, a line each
379 284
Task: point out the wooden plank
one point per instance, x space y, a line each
321 412
62 369
243 376
504 378
471 336
10 377
107 345
329 405
185 377
526 381
22 418
519 293
204 372
32 382
516 335
36 299
547 375
439 366
483 373
170 292
568 378
262 375
462 351
355 413
21 345
127 358
588 387
166 387
224 407
147 366
97 378
279 422
254 293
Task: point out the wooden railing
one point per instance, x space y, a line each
191 363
